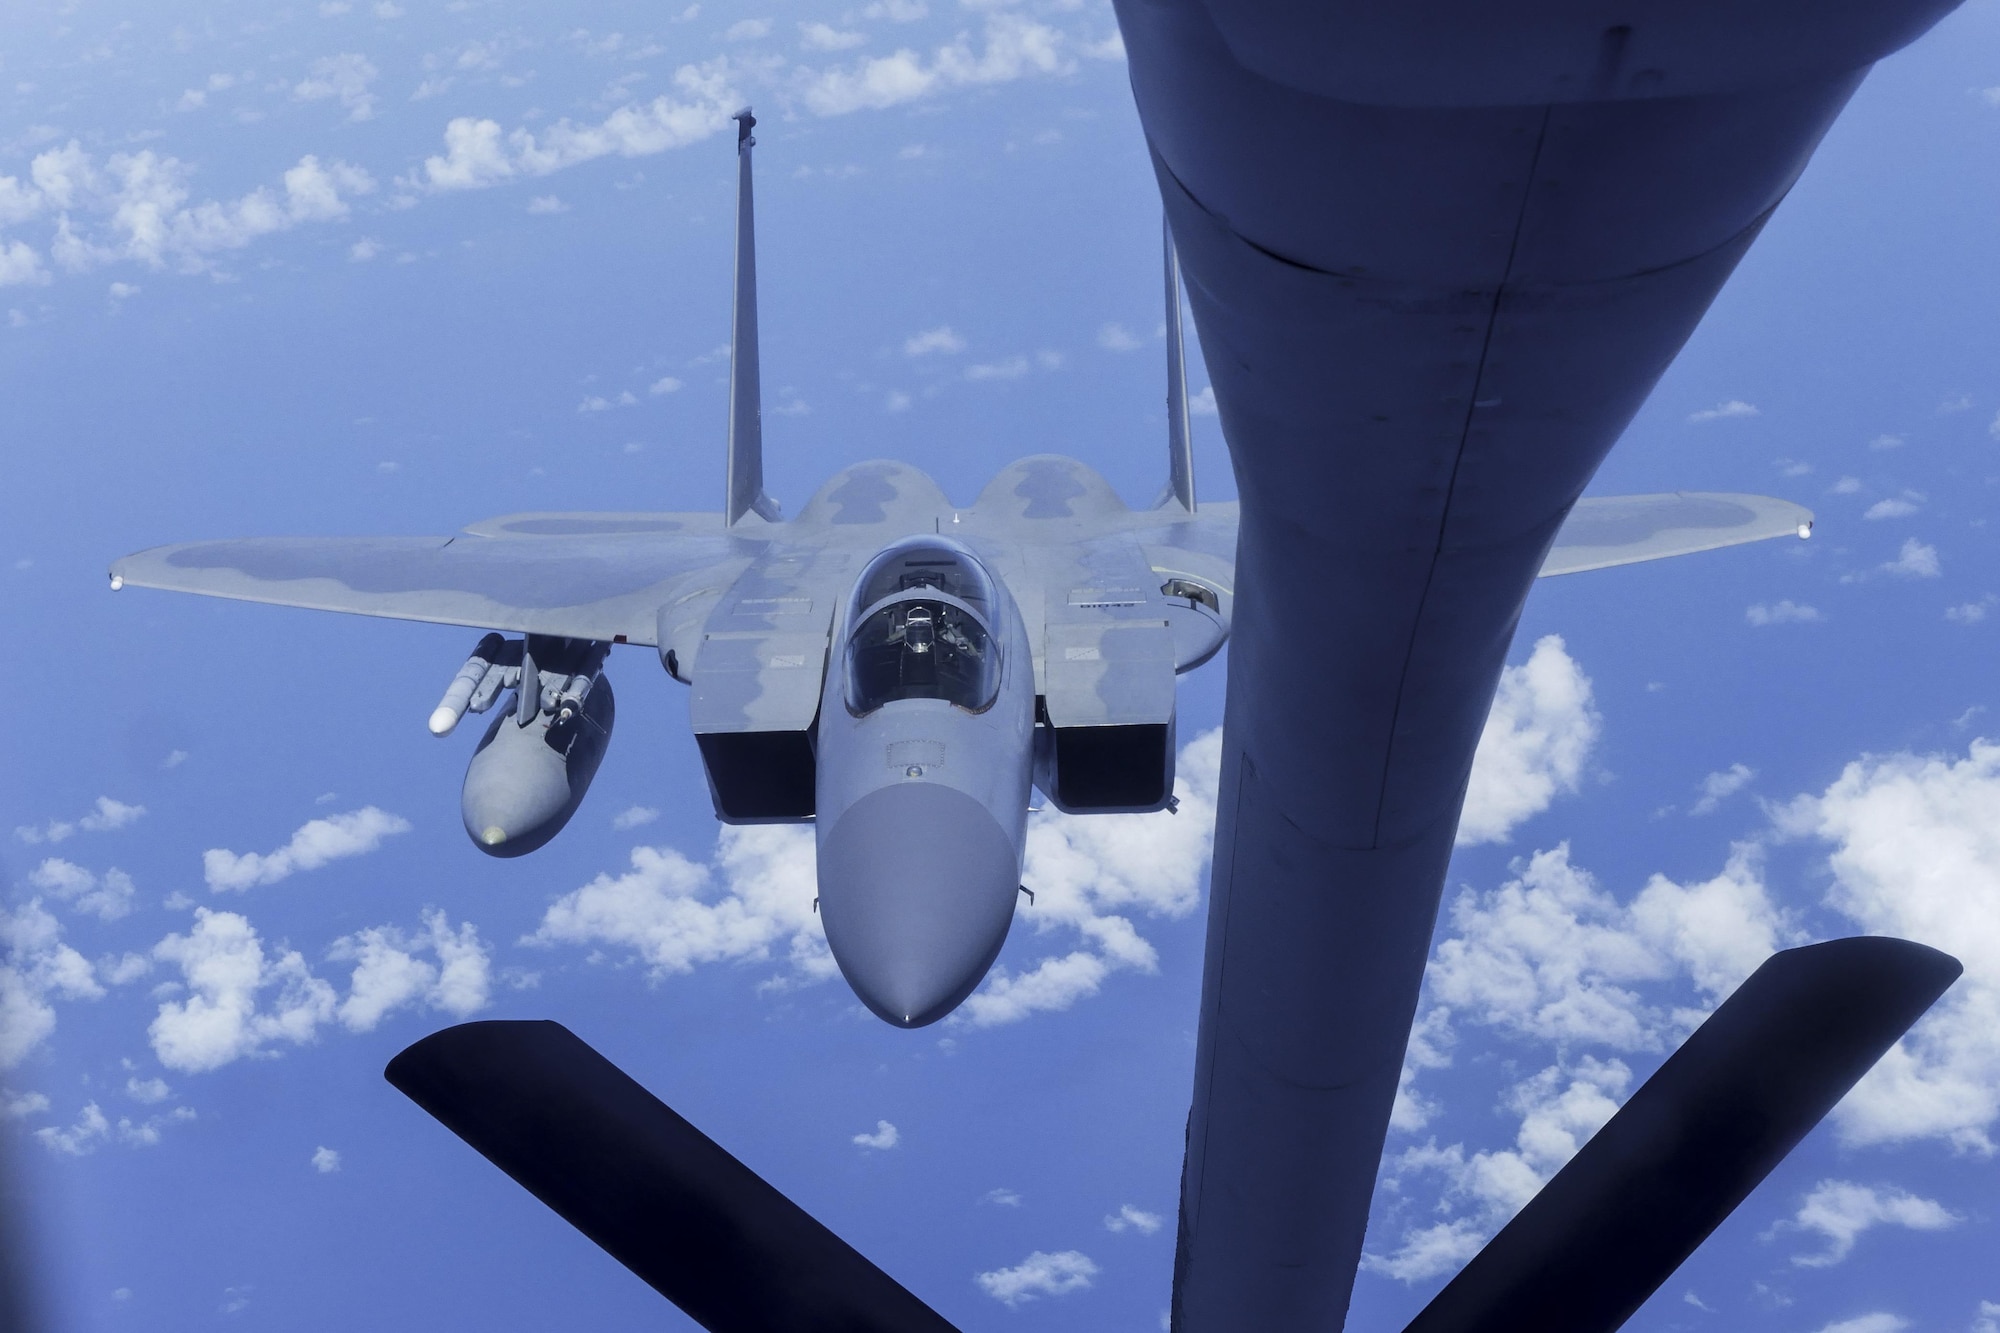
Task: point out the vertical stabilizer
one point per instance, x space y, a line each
746 406
1180 441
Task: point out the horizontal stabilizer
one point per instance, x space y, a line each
663 1198
1607 530
1694 1140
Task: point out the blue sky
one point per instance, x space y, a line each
269 271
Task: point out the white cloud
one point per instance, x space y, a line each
225 970
1916 854
107 896
1536 739
747 30
316 843
1971 613
1551 956
897 401
1010 369
1840 1211
364 250
325 1160
1993 428
1902 506
1202 404
1846 486
825 37
1786 612
1002 1196
147 1092
389 974
140 199
21 1106
1087 871
1989 1318
120 291
1719 787
1734 407
664 385
107 816
1916 561
634 816
1118 338
20 265
544 205
885 1137
1559 1109
939 339
897 11
1128 1218
478 154
344 77
1040 1274
1886 442
37 967
93 1127
1879 1322
667 913
1016 48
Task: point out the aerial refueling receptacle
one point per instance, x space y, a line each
537 758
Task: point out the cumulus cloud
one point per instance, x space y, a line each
479 153
1549 955
1090 873
1719 787
1840 1210
1202 404
344 78
1010 368
1724 411
107 896
1560 1108
36 967
1537 737
1916 853
939 339
1879 1322
1915 561
106 816
1901 506
671 914
1016 47
390 972
1118 338
1040 1274
134 207
92 1128
1128 1218
825 37
634 816
316 843
1782 613
227 975
325 1160
885 1137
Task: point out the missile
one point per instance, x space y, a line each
483 662
528 777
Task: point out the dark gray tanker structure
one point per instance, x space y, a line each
894 668
1437 253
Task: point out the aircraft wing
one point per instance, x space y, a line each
1602 531
582 576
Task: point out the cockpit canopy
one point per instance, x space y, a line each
919 629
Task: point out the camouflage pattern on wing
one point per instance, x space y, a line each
581 576
1603 531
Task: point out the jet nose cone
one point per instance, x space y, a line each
916 886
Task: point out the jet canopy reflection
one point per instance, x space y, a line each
920 630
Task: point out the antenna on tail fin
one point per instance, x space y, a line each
746 409
1180 442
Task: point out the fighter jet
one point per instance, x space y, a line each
896 669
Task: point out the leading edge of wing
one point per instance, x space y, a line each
1608 530
603 586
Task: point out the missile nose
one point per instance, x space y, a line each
916 887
